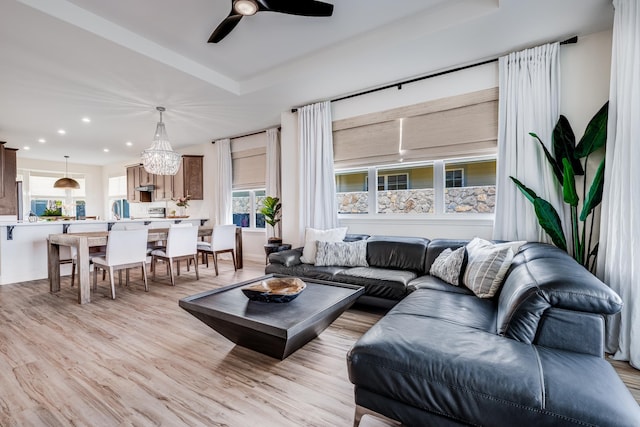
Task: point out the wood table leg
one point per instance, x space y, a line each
84 291
53 257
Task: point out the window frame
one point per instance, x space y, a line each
439 188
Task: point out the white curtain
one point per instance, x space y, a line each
224 179
318 187
272 179
620 217
529 101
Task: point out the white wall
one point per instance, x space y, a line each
585 87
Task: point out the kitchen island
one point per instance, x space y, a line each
23 244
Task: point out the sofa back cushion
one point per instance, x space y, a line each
436 246
541 277
397 253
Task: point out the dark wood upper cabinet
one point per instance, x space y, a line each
188 180
8 171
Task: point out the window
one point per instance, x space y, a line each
406 152
118 203
43 197
454 178
470 186
466 186
393 182
246 208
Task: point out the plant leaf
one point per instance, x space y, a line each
595 135
564 145
557 171
569 192
528 193
550 222
595 193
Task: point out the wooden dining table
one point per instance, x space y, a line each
83 241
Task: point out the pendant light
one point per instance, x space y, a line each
65 182
160 159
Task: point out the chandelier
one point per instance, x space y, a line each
65 182
160 159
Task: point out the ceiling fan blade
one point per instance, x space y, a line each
225 27
297 7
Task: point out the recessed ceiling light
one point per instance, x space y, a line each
42 140
86 119
106 150
129 143
26 147
62 131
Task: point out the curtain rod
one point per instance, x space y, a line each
399 85
247 134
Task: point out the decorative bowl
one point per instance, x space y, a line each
278 289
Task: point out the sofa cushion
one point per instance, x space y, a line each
399 253
447 266
378 282
304 270
446 368
347 254
312 235
451 307
430 282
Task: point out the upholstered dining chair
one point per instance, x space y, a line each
125 249
182 242
223 240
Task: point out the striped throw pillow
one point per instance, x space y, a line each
486 267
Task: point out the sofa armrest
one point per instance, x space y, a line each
288 258
572 331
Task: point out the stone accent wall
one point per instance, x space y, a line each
481 199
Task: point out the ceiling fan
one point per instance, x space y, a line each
240 8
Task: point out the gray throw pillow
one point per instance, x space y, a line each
344 254
447 265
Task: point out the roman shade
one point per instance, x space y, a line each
458 126
249 161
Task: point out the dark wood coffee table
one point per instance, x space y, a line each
275 329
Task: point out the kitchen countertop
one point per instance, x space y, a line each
97 221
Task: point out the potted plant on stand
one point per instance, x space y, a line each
271 210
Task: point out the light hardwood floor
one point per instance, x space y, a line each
140 360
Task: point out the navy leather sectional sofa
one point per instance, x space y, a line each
530 356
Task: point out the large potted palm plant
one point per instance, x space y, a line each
271 210
569 161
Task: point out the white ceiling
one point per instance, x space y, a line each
115 61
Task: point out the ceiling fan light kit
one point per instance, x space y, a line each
240 8
66 183
160 159
245 7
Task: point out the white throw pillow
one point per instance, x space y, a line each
312 235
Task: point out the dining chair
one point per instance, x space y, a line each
223 240
182 242
125 249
